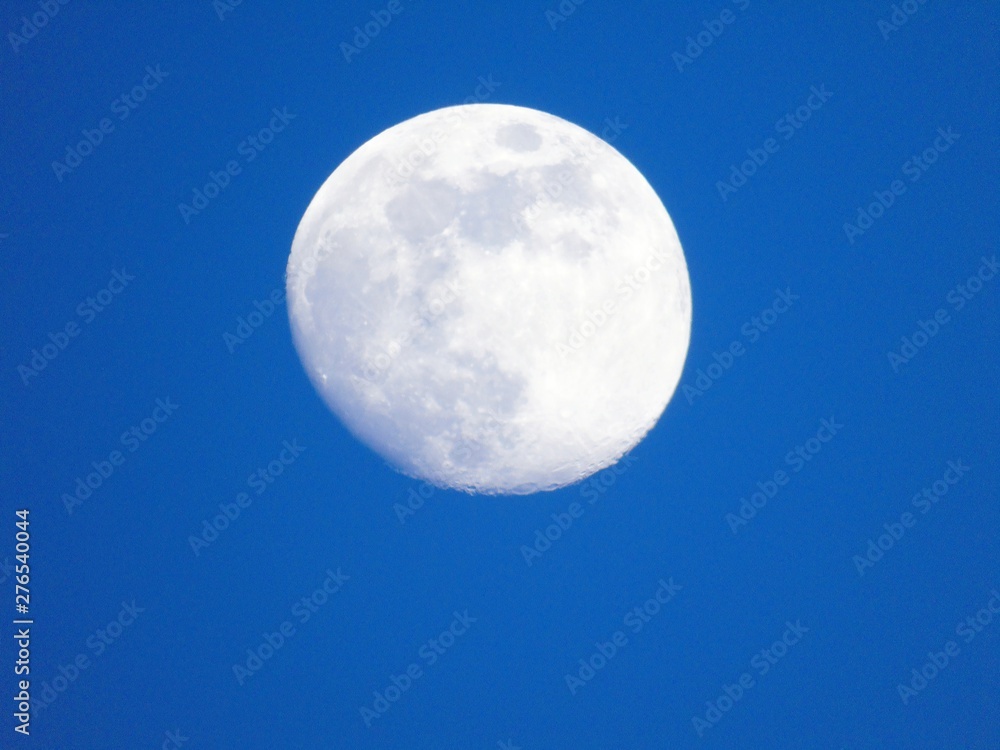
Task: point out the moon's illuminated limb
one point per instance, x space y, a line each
492 298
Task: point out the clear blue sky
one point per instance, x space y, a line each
832 174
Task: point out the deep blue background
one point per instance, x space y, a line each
664 516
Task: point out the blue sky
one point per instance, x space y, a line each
804 533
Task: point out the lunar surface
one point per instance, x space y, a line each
492 298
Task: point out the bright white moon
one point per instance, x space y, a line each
492 298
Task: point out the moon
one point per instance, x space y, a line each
491 298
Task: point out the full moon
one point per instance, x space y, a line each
492 298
